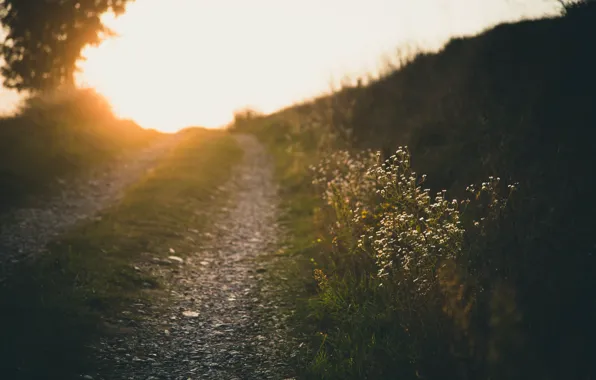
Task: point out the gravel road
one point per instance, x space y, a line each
24 233
222 320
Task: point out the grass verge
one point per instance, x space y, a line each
54 307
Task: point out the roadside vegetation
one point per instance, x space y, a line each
441 216
55 307
53 138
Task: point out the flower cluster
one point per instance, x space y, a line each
409 232
416 232
348 187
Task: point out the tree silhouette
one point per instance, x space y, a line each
45 38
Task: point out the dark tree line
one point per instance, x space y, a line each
44 39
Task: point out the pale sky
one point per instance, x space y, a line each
193 62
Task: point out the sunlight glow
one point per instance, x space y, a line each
193 62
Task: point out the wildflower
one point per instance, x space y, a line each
411 231
364 214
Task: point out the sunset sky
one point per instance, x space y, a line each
193 62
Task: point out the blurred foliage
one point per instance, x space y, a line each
55 136
45 38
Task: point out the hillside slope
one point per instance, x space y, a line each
515 102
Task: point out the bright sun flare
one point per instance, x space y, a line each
194 62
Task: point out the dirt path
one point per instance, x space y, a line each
25 233
221 322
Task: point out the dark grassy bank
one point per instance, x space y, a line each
53 308
55 137
511 299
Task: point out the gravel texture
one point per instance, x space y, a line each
24 233
222 319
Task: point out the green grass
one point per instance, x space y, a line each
54 307
58 137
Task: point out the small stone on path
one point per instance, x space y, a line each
176 258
